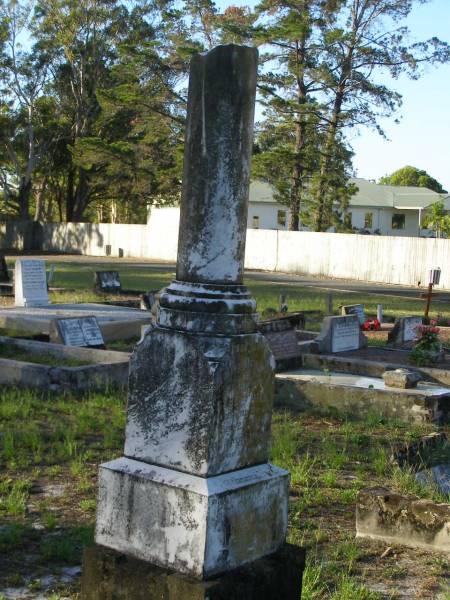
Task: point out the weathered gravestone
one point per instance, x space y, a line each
30 283
107 282
4 275
77 331
404 332
340 334
283 342
194 492
355 309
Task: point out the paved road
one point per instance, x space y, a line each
340 285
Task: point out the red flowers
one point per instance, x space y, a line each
371 325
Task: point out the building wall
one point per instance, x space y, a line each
267 213
382 220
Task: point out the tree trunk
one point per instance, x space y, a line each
40 208
23 198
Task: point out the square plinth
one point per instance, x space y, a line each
194 525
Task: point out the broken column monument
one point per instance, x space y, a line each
194 493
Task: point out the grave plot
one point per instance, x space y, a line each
55 367
362 396
116 323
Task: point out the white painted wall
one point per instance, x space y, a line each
384 259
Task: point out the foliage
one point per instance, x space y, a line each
93 99
412 176
427 345
437 219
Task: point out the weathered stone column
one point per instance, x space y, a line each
194 491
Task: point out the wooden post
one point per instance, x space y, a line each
428 297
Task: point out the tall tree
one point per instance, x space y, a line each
369 40
291 79
412 176
23 135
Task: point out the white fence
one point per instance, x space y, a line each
396 260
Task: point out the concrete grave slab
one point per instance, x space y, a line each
115 322
30 283
371 368
385 515
363 396
340 334
104 367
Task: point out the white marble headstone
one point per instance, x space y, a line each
30 283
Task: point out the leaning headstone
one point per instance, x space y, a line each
283 342
107 282
4 275
194 492
404 332
77 331
30 283
355 309
340 334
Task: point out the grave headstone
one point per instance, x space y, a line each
355 309
194 492
283 342
77 331
404 332
341 334
30 283
4 275
107 282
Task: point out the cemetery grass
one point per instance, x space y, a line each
51 446
75 283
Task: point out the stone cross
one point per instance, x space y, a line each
194 491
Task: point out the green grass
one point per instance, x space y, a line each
59 440
78 279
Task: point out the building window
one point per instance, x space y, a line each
398 221
255 222
368 219
281 218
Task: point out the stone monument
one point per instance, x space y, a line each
194 492
340 334
30 283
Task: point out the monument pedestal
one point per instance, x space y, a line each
196 525
109 575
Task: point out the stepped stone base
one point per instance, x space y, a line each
194 525
108 575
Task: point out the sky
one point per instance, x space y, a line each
422 139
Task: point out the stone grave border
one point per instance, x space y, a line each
370 368
107 368
408 406
382 514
